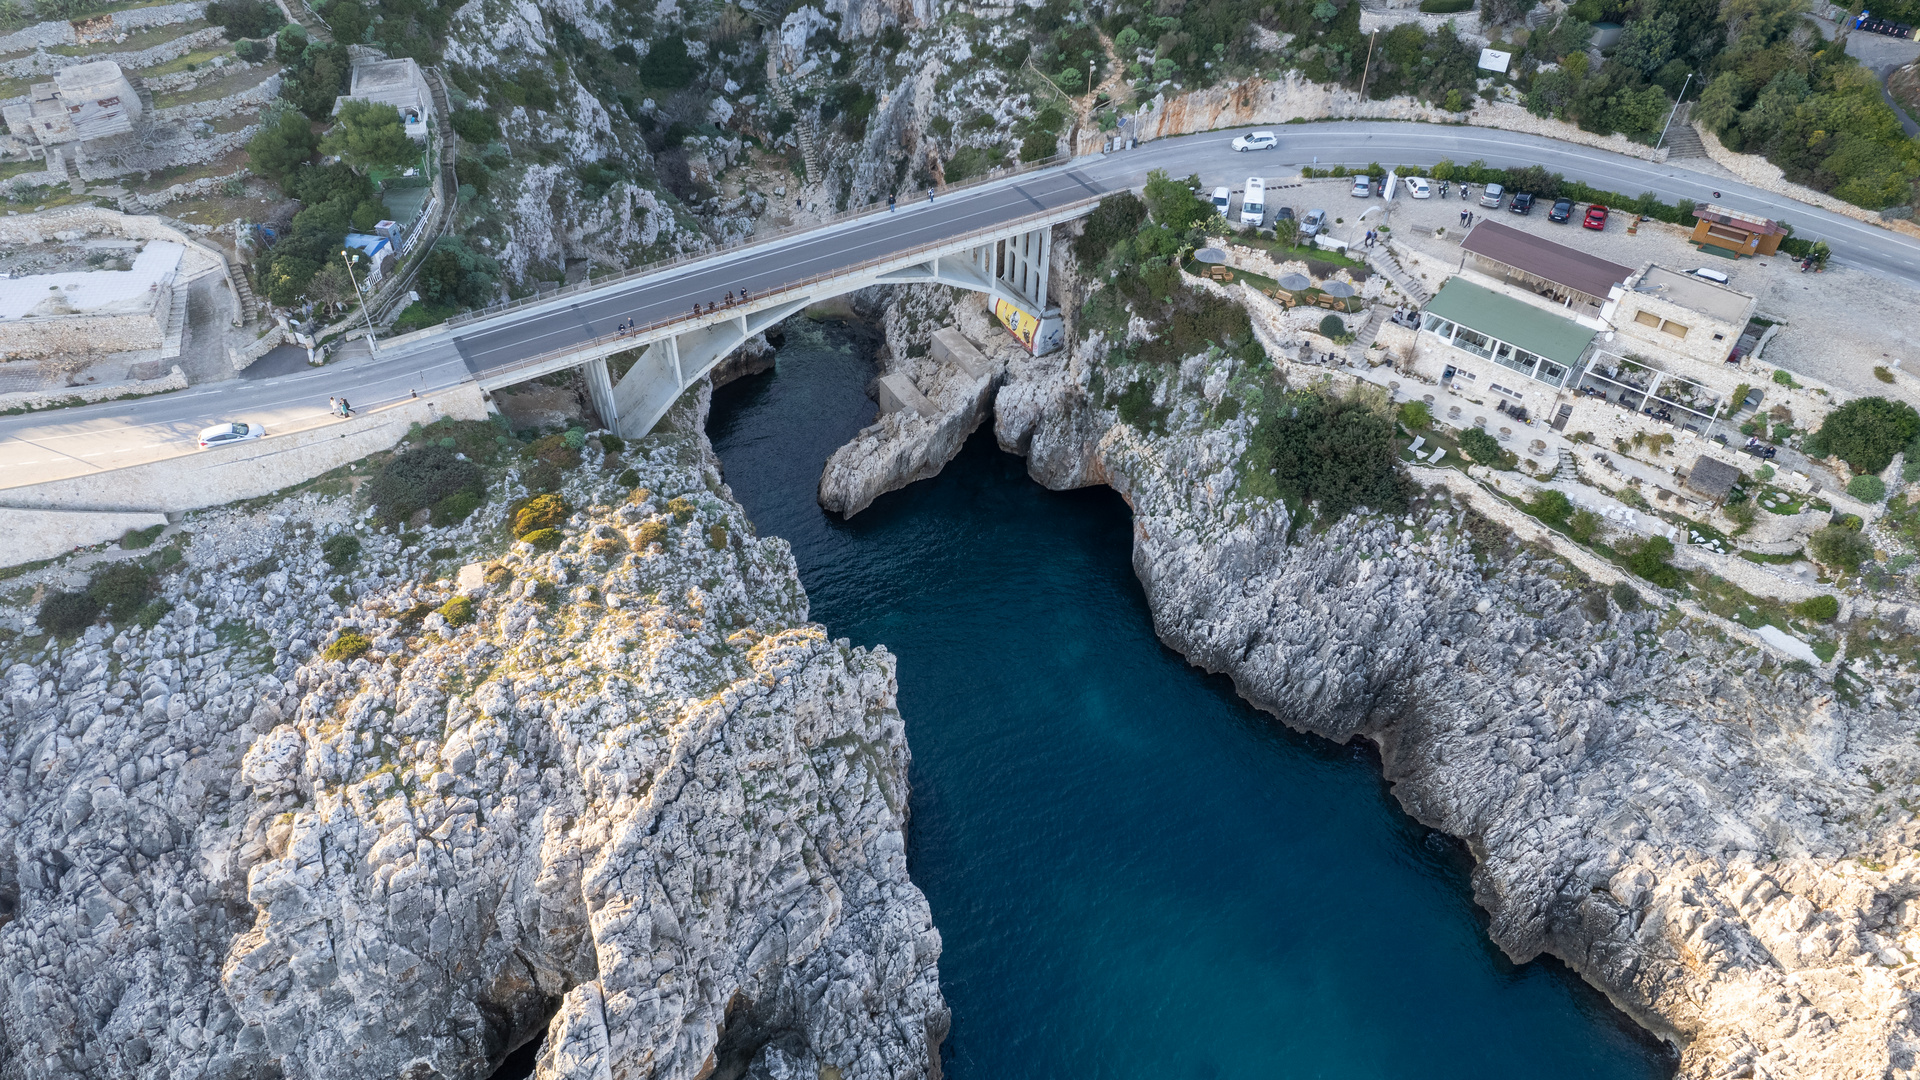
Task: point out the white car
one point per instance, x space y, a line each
1363 187
1221 198
227 434
1419 186
1258 140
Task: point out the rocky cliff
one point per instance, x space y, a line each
1720 841
620 790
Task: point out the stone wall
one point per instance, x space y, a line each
61 32
33 535
175 379
59 335
44 63
202 478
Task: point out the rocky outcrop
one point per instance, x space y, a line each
936 387
631 797
1717 839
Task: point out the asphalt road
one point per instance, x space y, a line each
67 442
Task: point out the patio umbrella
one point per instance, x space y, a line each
1295 282
1210 255
1338 288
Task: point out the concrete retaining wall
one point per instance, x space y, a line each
212 477
33 535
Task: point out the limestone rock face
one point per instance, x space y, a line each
1712 838
949 385
637 800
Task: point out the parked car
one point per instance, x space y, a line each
1312 223
1362 187
1419 186
1491 195
1712 275
1562 210
228 433
1257 140
1221 197
1596 218
1253 203
1522 203
1282 213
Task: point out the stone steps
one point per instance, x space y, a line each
1383 260
1682 140
1569 467
175 338
1363 337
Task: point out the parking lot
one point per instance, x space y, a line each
1838 325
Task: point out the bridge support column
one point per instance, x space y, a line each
600 389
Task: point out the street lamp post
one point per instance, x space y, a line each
347 256
1675 111
1090 64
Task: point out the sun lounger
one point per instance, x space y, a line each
1438 453
1418 443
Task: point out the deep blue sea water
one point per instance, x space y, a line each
1137 875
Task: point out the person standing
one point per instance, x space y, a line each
333 405
346 410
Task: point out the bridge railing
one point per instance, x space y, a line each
769 298
870 209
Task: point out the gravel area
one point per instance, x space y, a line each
1837 326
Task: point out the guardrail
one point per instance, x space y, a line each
871 209
764 300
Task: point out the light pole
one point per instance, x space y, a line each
1675 112
349 257
1090 64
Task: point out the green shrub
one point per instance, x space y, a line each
1783 377
1818 608
457 611
1550 506
1481 447
139 538
1840 547
612 444
717 537
350 645
537 513
1415 416
64 614
544 539
421 477
1445 7
1336 452
341 550
245 18
652 532
1867 488
1333 326
1584 525
121 589
1117 218
575 438
1866 432
1648 559
627 479
555 450
151 614
455 508
681 508
1884 374
341 594
1625 597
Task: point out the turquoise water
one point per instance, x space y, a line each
1137 875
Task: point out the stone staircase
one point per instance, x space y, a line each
1682 140
299 12
1384 261
175 339
1363 336
249 304
804 126
1569 467
140 91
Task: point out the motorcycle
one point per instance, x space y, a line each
1443 189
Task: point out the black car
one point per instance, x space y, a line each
1285 213
1522 204
1562 210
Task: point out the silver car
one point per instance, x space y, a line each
227 434
1312 223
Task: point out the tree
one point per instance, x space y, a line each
246 18
1866 432
1337 452
1648 558
452 274
1481 446
317 74
284 143
370 135
1173 203
667 64
331 286
1118 217
1550 506
1840 547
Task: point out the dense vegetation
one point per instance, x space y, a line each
1865 433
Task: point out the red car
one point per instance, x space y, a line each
1596 217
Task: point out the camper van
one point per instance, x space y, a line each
1253 203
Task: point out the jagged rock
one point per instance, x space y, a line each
638 801
1697 829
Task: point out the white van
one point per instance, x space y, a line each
1221 197
1253 203
1714 276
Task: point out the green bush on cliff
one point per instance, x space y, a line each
1115 219
1819 608
420 478
1482 447
350 645
1648 558
1866 433
1550 506
65 614
539 512
1334 452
